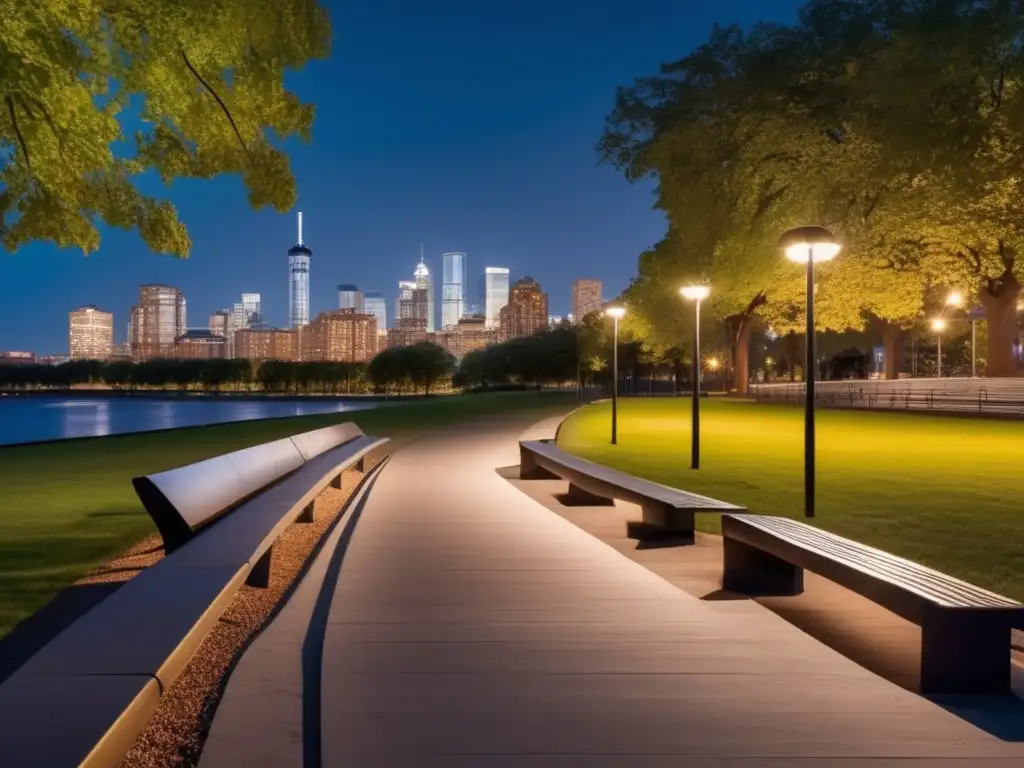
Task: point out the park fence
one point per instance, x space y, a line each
1004 397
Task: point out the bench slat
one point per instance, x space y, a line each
927 583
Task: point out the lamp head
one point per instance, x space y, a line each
713 363
955 299
938 324
803 242
615 311
696 291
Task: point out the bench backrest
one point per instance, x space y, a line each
182 500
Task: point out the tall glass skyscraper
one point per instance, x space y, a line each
298 282
251 304
495 294
374 304
453 288
350 297
425 283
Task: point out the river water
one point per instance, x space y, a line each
28 419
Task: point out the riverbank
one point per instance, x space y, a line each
69 505
208 394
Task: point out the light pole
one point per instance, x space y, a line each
939 325
956 299
696 293
806 245
615 313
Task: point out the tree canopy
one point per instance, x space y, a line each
97 93
896 123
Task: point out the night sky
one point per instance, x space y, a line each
461 124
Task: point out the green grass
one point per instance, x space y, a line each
66 507
938 490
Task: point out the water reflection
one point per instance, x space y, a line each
27 419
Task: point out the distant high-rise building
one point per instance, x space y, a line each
495 294
219 321
425 283
90 334
468 335
298 282
157 321
200 345
374 304
262 344
342 335
413 304
586 298
526 311
350 297
403 303
251 303
453 288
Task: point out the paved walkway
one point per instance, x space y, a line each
470 626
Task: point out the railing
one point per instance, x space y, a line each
953 395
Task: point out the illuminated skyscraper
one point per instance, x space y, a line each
253 316
90 334
350 297
453 288
425 283
374 304
526 311
586 298
298 282
156 321
495 294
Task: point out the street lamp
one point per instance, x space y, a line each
807 245
615 313
956 299
696 293
939 325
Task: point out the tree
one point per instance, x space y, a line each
424 363
205 79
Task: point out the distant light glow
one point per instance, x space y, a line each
805 243
616 312
955 299
713 363
696 292
938 324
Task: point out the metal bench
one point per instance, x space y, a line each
965 630
102 678
668 513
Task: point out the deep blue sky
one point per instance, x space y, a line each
463 124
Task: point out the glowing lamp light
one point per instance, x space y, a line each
955 299
616 312
696 292
713 364
809 242
938 324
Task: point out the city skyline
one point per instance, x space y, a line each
513 182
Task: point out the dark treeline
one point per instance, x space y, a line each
561 355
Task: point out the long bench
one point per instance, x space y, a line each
85 696
668 513
965 630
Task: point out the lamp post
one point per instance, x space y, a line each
939 325
696 293
807 245
615 313
956 299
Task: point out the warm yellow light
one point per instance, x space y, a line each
615 312
938 324
955 299
713 363
805 243
769 361
696 292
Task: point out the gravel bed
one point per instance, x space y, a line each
176 733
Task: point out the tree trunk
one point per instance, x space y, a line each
791 352
740 327
1001 326
892 349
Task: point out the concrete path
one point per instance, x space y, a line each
463 623
471 626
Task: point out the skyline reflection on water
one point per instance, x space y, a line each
29 419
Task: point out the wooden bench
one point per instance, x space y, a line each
102 678
668 513
965 630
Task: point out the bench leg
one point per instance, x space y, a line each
750 571
259 576
530 470
360 466
336 482
663 523
306 515
583 497
965 653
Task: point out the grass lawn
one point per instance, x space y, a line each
66 507
941 491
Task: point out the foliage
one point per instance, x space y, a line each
421 364
545 357
202 79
